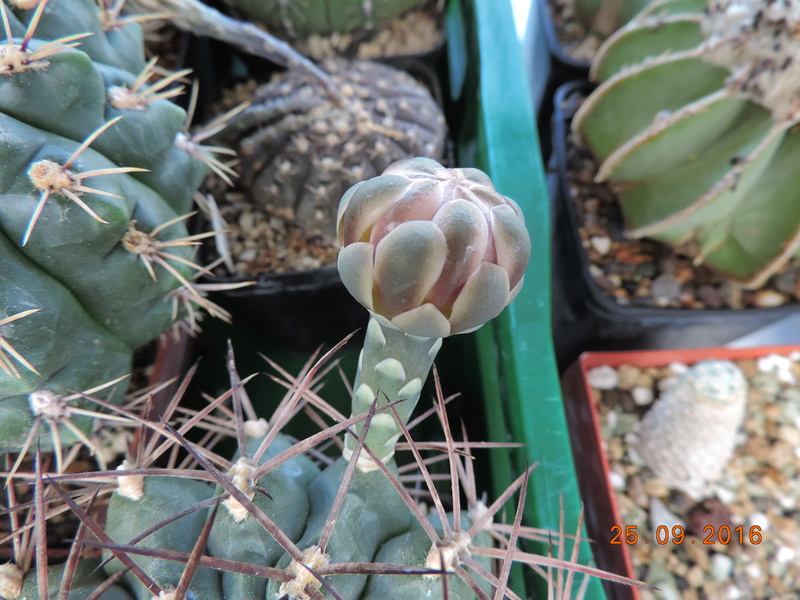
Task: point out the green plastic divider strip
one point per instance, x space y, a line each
516 351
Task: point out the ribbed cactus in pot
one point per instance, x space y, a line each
694 126
97 174
301 148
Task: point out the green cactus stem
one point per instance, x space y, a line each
430 252
694 125
90 150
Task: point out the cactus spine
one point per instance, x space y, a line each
695 126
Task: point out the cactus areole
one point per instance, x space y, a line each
695 127
430 252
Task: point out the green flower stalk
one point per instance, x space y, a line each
430 252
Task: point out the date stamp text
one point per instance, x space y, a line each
723 534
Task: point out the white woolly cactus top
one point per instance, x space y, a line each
759 42
689 435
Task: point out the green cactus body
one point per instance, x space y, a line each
87 578
324 17
373 521
694 126
97 300
244 539
161 498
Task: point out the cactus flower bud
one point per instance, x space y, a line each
431 251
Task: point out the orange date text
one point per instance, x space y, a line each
723 534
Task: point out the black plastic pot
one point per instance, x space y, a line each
587 319
563 66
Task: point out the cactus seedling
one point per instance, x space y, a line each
694 128
689 435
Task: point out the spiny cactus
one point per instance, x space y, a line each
689 435
428 224
324 17
301 148
97 172
283 519
280 519
695 126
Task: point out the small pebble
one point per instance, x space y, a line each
678 368
710 296
721 567
617 480
603 378
787 282
665 289
602 244
735 593
695 576
759 519
667 383
785 554
642 396
769 298
661 515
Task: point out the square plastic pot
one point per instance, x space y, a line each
591 462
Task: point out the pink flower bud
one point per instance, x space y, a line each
433 251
